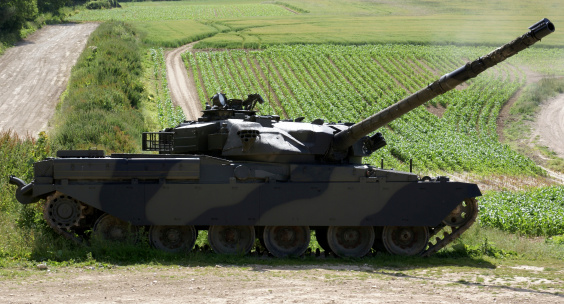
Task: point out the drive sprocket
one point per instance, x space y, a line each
63 213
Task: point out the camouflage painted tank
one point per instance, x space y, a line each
243 176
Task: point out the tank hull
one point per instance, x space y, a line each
202 190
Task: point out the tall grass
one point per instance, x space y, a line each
535 94
18 223
101 105
517 128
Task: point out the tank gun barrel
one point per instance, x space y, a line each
447 82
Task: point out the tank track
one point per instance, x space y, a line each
448 237
453 235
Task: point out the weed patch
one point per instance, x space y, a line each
101 105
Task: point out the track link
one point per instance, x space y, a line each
454 234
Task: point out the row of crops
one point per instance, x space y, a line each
536 212
349 83
181 11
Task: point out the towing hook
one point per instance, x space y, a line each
24 193
17 181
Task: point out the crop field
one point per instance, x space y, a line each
160 11
536 212
258 24
348 83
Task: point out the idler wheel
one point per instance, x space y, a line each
111 228
62 211
231 239
283 241
462 213
173 238
350 241
405 240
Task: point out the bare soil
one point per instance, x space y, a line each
549 125
34 73
278 284
182 87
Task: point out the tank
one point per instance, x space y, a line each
243 176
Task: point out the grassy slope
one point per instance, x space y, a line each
101 105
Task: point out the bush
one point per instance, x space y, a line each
102 4
100 108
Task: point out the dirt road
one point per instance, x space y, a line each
549 125
34 73
182 88
310 284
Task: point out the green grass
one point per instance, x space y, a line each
337 21
478 248
101 107
182 10
517 128
168 115
527 105
432 29
18 223
174 33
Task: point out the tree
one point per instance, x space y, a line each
51 5
14 13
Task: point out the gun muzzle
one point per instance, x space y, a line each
542 28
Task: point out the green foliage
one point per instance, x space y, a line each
101 106
557 239
101 4
14 13
181 10
98 4
536 212
535 94
174 33
487 248
292 7
18 223
255 23
51 5
168 115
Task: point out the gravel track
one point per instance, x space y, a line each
34 73
182 87
549 125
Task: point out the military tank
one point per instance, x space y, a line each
243 176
